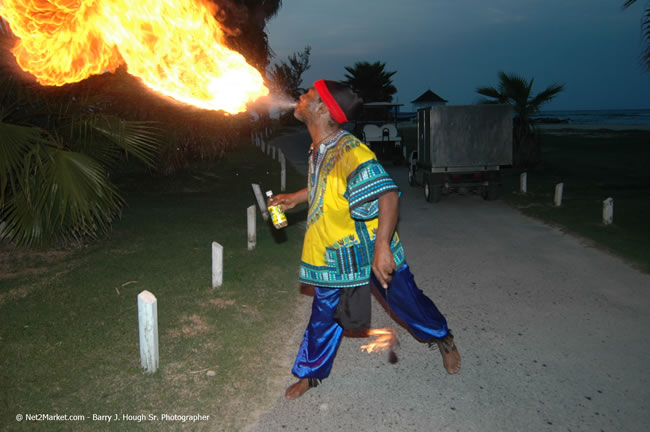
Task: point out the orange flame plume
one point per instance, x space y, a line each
175 47
385 339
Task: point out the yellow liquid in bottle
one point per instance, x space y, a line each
278 217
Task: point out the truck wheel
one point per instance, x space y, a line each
411 177
432 192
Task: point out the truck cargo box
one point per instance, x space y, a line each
465 137
462 148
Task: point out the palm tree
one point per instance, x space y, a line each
645 31
286 77
54 162
516 91
371 81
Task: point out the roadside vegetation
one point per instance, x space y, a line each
68 317
371 81
516 91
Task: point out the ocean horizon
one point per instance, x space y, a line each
596 117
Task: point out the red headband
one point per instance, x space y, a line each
335 110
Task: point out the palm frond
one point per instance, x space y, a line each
71 198
137 138
105 137
645 34
371 81
15 142
491 92
80 136
545 96
645 25
84 192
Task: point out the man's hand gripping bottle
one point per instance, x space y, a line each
277 215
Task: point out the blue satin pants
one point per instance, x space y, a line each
323 335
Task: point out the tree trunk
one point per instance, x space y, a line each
527 151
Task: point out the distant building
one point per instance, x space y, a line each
427 99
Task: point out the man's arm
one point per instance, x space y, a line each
383 264
289 201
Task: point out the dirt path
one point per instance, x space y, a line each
553 332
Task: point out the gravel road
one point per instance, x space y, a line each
550 329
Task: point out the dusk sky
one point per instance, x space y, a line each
454 46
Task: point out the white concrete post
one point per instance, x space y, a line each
523 182
261 202
283 171
217 265
252 227
148 329
558 194
268 149
273 152
262 145
608 211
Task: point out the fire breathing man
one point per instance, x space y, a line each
351 241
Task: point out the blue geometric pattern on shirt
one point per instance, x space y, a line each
350 264
331 277
365 185
326 277
349 256
351 259
398 253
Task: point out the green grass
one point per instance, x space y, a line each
593 165
68 319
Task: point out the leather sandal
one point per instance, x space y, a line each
450 356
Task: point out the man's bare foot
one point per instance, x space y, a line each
294 391
450 355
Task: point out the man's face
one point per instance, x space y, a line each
307 105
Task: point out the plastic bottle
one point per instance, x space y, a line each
277 215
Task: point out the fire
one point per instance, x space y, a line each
175 47
385 339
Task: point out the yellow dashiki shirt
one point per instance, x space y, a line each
345 182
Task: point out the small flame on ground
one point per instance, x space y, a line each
385 339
